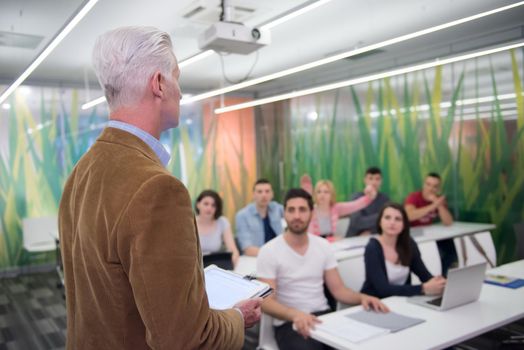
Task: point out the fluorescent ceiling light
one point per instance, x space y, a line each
200 56
88 5
293 14
93 102
365 79
333 58
346 54
195 58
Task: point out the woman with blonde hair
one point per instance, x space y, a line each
327 211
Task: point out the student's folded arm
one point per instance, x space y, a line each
157 244
377 276
416 213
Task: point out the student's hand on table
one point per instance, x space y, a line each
250 309
434 286
368 302
303 322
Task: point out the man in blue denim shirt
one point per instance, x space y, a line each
259 221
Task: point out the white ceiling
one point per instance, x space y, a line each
337 26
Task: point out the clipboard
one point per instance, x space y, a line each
226 288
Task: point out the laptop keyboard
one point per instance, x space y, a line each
435 302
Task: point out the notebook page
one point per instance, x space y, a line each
351 330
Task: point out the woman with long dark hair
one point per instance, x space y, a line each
393 256
213 228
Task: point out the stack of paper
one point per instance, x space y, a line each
351 330
363 325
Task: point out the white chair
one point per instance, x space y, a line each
353 274
39 234
342 227
471 249
266 337
431 258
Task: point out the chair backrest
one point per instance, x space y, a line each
220 259
519 233
39 233
342 227
266 336
431 258
472 254
353 273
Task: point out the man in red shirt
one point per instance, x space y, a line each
424 207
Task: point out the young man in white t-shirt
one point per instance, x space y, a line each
296 265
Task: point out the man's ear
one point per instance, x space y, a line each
157 84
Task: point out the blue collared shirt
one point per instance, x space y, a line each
250 227
150 140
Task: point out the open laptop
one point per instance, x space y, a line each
463 286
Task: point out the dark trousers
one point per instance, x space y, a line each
448 255
288 339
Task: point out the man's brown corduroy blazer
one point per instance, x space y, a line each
131 256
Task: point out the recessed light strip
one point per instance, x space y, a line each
201 55
195 58
66 29
293 13
345 55
93 102
365 79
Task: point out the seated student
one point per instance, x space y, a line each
364 221
390 259
426 206
260 221
213 228
296 265
327 211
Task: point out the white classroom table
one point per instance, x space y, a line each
496 307
353 247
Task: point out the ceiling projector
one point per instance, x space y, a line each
233 37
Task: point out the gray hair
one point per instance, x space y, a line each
126 58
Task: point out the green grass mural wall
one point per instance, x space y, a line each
44 134
405 126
